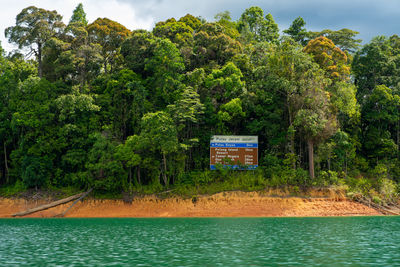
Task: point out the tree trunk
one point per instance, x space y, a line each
39 59
165 169
5 163
300 152
73 204
291 137
130 177
329 163
398 137
138 174
82 73
48 206
311 158
105 66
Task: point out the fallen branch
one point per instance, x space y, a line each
390 212
164 192
76 201
380 208
48 206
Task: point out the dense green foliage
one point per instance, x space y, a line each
125 110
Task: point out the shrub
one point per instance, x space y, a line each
36 171
380 171
12 190
388 190
377 200
327 178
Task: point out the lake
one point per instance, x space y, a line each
331 241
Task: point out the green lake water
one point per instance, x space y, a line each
349 241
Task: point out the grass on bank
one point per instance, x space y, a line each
376 187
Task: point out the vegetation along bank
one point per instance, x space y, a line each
97 105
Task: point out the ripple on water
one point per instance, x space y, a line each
355 241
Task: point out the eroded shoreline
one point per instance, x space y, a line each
227 204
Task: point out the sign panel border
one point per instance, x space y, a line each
234 141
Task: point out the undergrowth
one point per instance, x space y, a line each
376 186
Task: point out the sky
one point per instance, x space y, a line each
369 17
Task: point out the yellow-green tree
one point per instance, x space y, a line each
344 38
110 35
177 31
329 57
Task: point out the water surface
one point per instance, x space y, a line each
353 241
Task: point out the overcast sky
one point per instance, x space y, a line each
369 17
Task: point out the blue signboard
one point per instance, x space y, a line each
234 152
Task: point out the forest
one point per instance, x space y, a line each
94 104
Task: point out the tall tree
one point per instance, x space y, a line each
213 46
165 68
33 120
230 28
104 170
344 38
224 84
159 133
329 57
127 103
314 118
272 29
110 35
7 85
76 121
137 49
79 15
301 85
298 31
381 115
177 31
128 154
186 113
191 21
259 28
34 28
230 117
72 58
377 63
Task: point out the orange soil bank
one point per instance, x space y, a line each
228 204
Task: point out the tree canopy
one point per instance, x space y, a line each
34 27
102 106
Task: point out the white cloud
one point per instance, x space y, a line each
112 9
370 17
117 11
